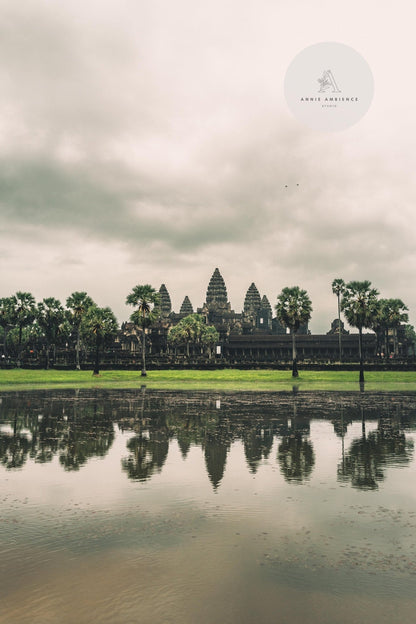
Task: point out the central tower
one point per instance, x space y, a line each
217 292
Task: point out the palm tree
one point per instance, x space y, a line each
7 307
22 316
293 309
78 304
192 329
146 300
338 287
50 316
391 313
99 325
359 304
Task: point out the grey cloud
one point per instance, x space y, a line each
160 129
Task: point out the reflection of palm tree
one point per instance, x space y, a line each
362 465
258 442
368 455
147 455
14 449
90 433
295 453
139 464
296 457
341 423
340 428
45 436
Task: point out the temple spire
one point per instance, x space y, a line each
165 302
252 301
186 307
216 291
265 305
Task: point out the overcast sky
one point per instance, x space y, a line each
150 142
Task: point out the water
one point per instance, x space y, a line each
153 507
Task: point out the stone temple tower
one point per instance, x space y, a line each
217 309
186 307
217 292
165 302
252 301
264 315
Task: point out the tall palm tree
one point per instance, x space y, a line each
146 301
78 303
50 316
359 304
293 309
98 326
338 287
23 315
7 307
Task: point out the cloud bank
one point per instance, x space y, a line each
150 142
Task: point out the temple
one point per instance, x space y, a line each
253 335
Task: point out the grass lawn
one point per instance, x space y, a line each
229 379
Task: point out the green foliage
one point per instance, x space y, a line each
24 312
293 308
78 304
52 322
359 304
31 335
338 287
7 318
146 301
193 330
7 311
391 313
410 335
51 317
99 325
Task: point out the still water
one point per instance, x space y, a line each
160 507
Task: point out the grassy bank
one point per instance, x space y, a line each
248 380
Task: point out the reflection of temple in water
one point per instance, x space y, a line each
79 427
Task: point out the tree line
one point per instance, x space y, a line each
362 308
49 322
82 320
